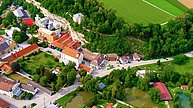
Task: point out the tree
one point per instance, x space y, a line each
33 40
155 95
36 78
158 63
53 86
179 59
82 72
83 80
190 83
16 66
19 37
59 83
43 81
71 76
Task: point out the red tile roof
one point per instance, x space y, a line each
82 66
184 87
28 21
5 84
164 91
21 53
71 52
89 55
66 41
5 67
4 104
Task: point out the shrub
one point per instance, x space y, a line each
179 59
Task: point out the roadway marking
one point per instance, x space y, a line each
158 8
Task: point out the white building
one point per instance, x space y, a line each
78 17
19 12
73 55
9 88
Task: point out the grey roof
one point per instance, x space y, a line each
101 85
3 46
36 85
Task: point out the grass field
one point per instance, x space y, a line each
20 78
186 67
177 4
167 6
137 11
35 61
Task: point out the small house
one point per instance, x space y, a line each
184 87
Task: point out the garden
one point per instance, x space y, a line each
40 64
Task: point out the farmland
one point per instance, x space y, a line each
138 11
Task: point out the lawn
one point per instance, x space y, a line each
20 78
177 4
41 58
2 31
137 11
167 6
183 68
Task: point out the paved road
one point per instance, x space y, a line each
101 73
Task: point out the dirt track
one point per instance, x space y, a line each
187 3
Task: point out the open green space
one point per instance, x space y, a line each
177 4
187 67
20 78
34 61
165 5
134 11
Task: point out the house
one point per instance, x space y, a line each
94 107
9 32
47 23
101 85
66 40
28 21
24 52
29 88
165 95
4 104
48 35
6 45
19 12
78 17
9 88
124 59
86 68
136 57
69 54
89 56
39 87
98 62
5 64
112 57
5 68
184 87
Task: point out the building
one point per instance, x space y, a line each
86 68
9 32
48 35
78 17
124 59
136 57
184 87
109 105
5 64
9 88
69 54
89 56
24 52
98 62
4 104
29 88
101 85
6 45
28 21
112 57
19 12
165 95
66 41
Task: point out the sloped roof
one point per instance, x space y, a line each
21 53
164 91
89 55
71 52
4 104
5 68
5 84
3 46
28 21
82 66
